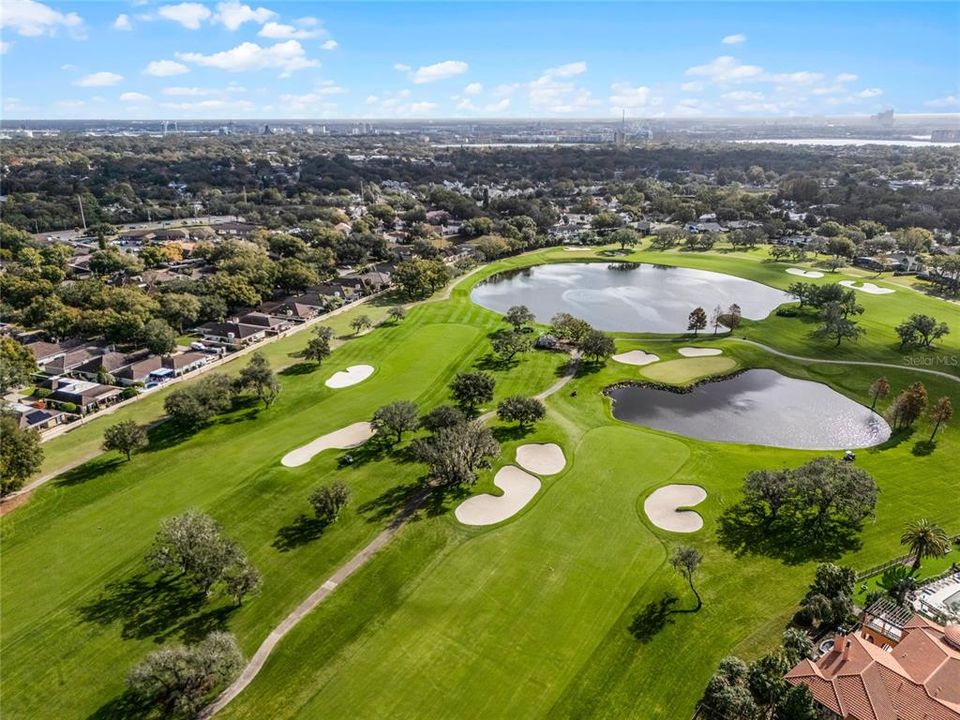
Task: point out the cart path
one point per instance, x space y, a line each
315 598
356 562
867 363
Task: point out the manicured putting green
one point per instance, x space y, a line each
679 372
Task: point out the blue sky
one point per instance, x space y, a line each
234 59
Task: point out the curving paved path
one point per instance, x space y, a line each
259 658
867 363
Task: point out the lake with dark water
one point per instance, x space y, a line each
630 297
759 407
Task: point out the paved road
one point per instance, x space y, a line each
67 235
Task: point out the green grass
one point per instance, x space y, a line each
525 619
687 370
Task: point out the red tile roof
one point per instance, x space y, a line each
918 680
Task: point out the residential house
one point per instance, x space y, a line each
87 396
142 371
907 672
110 362
273 325
37 417
186 362
72 359
240 230
291 309
46 352
231 334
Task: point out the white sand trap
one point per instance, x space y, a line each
867 287
351 376
349 437
542 459
805 273
578 249
518 489
662 507
699 352
636 357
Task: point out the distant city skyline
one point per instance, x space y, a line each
308 60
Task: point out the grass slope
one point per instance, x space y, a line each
526 619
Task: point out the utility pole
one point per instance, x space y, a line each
82 218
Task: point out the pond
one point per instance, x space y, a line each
760 407
631 297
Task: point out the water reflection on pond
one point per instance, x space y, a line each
760 407
630 297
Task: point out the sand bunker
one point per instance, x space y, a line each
805 273
342 439
542 459
578 249
636 357
518 489
866 287
699 352
351 376
662 507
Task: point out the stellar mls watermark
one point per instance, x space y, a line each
932 360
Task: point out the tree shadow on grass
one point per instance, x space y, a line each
197 627
300 368
372 450
509 433
496 363
92 470
303 530
653 618
924 447
144 606
166 435
898 436
390 502
744 531
123 707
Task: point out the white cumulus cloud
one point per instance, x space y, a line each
329 45
625 95
165 68
279 31
33 19
870 92
99 79
555 91
437 71
232 14
498 106
134 97
286 56
942 102
473 88
122 22
726 70
188 14
734 39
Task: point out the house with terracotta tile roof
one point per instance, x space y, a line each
866 677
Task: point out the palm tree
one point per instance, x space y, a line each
925 539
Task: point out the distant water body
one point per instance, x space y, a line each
846 142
